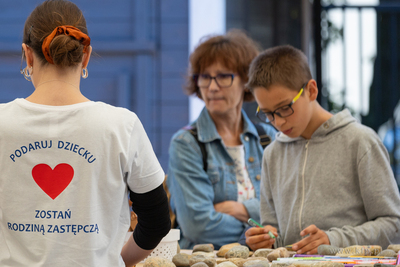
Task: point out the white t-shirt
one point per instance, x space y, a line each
64 178
244 184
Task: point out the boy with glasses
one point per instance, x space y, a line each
326 179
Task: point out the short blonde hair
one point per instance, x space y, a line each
281 65
234 50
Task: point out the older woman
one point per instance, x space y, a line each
215 162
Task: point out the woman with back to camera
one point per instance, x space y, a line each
214 197
68 163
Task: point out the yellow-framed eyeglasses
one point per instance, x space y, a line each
282 112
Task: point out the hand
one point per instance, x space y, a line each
132 254
257 237
309 245
233 208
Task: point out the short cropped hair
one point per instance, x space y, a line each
282 65
234 50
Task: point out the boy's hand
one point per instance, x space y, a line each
257 237
309 245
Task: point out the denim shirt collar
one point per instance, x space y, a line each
207 131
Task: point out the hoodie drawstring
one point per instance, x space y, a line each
302 178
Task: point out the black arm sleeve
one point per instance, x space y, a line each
152 212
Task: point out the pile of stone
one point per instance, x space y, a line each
236 255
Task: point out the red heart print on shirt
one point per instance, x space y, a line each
53 182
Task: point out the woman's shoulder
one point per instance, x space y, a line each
114 119
185 134
112 108
113 114
7 105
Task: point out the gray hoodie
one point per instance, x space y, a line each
340 180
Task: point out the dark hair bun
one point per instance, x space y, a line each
66 51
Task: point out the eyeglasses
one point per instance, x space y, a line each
222 79
282 112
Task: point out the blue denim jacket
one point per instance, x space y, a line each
194 191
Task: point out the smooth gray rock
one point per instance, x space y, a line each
262 252
278 253
226 264
238 252
256 263
199 264
203 247
181 260
388 253
279 264
395 247
210 262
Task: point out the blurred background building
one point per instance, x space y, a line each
142 46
